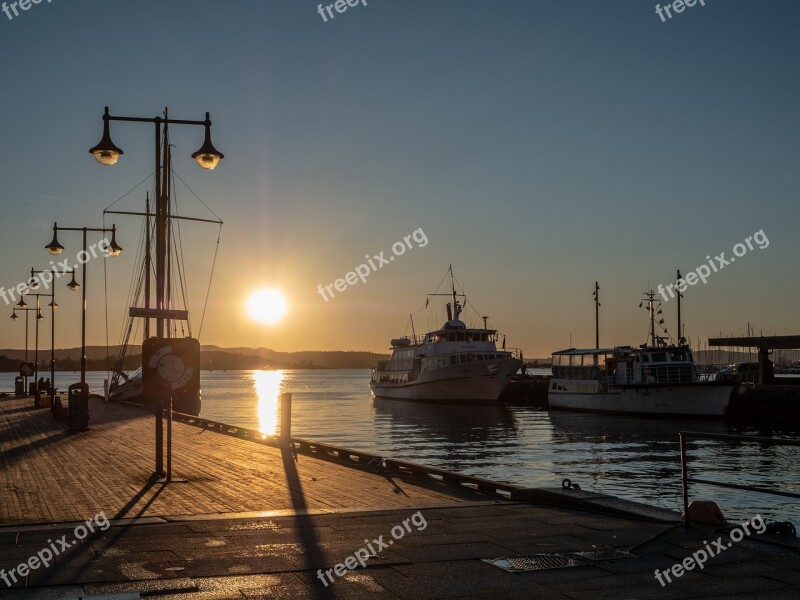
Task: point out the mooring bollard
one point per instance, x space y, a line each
286 419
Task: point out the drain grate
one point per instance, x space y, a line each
558 560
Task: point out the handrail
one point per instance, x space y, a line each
685 480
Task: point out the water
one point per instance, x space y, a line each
629 457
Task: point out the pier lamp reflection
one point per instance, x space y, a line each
268 390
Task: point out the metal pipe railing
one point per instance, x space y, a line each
685 480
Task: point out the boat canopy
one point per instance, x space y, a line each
582 351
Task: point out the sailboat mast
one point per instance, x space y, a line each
160 228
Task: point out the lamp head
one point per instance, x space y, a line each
14 315
54 247
207 156
21 303
33 283
113 248
106 153
73 285
39 314
53 305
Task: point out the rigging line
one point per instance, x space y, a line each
181 266
129 191
183 274
211 277
195 195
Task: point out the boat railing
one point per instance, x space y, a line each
413 340
683 436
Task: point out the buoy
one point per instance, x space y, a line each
705 512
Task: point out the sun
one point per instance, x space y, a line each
267 305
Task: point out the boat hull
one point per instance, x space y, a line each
471 383
707 400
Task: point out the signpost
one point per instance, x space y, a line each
170 369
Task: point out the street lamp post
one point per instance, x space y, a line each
208 157
112 249
21 305
34 285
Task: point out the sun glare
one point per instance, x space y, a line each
267 305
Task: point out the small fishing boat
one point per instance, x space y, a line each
453 364
654 379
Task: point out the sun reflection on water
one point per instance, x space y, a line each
267 385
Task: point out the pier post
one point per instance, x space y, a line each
286 420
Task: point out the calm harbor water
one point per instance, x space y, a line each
629 457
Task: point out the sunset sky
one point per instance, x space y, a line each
540 146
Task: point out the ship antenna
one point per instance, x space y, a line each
485 319
414 333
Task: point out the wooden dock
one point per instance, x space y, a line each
254 522
48 475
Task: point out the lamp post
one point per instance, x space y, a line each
208 157
21 305
34 285
112 249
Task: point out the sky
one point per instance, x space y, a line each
536 146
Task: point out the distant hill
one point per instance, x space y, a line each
68 359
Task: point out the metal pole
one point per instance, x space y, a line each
27 312
159 410
169 439
52 345
680 326
684 479
286 420
36 351
160 234
596 315
83 317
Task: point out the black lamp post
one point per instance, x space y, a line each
21 305
112 249
34 285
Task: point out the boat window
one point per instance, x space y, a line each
678 356
659 357
460 336
451 337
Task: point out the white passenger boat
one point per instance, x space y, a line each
454 364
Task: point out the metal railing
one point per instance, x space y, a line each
686 480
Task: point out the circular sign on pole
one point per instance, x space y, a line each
26 369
